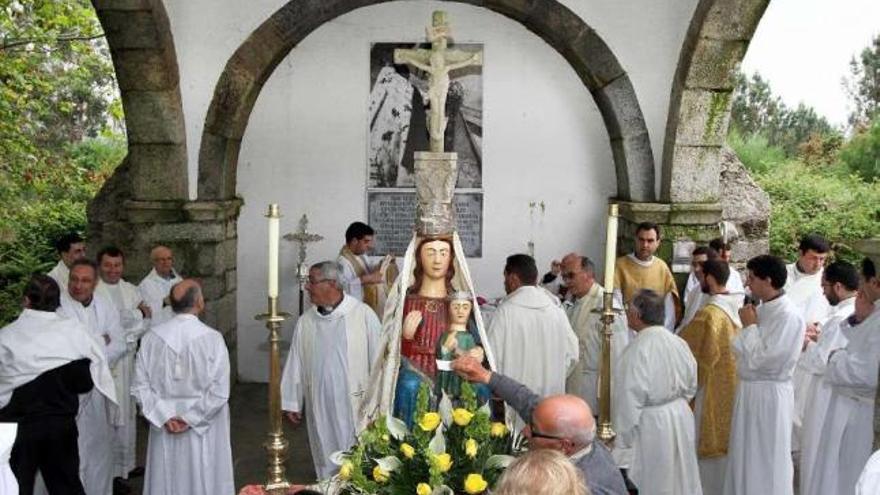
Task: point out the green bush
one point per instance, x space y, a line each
805 199
755 151
861 155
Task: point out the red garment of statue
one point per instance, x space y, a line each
421 350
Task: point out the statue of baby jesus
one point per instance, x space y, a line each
454 342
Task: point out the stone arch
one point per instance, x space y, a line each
155 169
699 108
253 63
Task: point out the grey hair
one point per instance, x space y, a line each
650 307
330 270
587 265
578 435
542 472
187 301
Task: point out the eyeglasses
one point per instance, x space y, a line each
569 275
537 434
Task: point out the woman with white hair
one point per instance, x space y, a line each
542 472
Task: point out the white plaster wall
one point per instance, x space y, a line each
646 36
305 148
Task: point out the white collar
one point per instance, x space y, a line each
636 260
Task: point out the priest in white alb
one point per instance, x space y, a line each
694 297
134 316
803 285
656 378
580 278
840 282
156 286
328 366
70 247
848 432
182 384
98 414
530 334
766 349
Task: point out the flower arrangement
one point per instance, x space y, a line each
451 450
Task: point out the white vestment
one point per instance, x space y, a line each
533 343
351 282
8 483
759 452
587 326
869 481
61 274
656 377
818 393
183 371
847 432
734 283
97 418
154 289
327 371
125 298
805 292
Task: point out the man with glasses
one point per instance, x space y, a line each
559 422
328 367
579 275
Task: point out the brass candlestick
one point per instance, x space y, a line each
605 431
276 445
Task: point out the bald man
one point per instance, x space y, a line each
156 286
182 384
559 422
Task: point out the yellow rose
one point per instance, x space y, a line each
474 483
430 421
470 448
423 489
407 450
386 438
498 429
462 416
380 475
345 470
443 462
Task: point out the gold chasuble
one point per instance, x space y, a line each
710 335
631 275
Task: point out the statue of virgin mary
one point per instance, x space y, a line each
416 311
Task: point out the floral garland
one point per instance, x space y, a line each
449 451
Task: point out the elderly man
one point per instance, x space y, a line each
96 418
334 346
182 384
847 431
530 333
656 377
840 283
710 336
156 286
560 422
579 275
70 247
134 315
766 350
46 362
643 270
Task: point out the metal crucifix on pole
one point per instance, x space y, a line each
302 237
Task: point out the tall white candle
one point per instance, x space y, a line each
274 218
610 248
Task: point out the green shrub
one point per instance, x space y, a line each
861 155
755 152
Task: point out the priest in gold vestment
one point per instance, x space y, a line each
710 335
643 270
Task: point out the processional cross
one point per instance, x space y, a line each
302 237
438 62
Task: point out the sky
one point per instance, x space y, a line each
803 47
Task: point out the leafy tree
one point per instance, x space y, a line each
863 85
861 154
61 131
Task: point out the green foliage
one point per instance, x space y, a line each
755 152
61 131
756 111
808 198
863 85
861 155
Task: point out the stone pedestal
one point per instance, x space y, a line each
436 174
